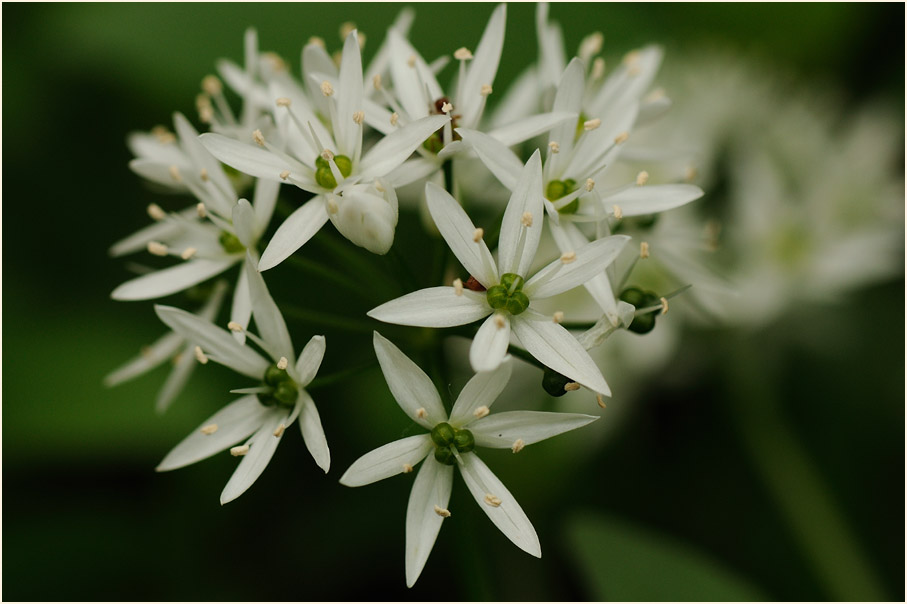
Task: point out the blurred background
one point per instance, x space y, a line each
760 457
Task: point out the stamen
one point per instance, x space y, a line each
282 363
164 136
642 178
621 138
526 219
568 257
345 28
558 317
326 88
518 445
443 513
421 413
284 175
590 184
598 68
571 386
486 90
157 248
327 155
212 85
188 253
462 54
358 117
283 102
690 173
632 57
200 210
175 174
499 322
156 212
492 500
555 147
618 213
644 250
360 38
458 287
317 41
209 429
407 468
200 356
203 175
600 400
446 108
259 138
376 81
394 118
234 326
205 110
279 431
664 305
481 412
478 234
592 124
239 451
333 208
591 44
176 359
655 95
411 61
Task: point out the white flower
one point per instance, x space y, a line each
450 442
509 293
260 417
328 163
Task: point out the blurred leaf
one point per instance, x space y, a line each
622 562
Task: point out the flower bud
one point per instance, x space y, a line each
367 217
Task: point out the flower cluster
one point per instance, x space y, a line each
347 137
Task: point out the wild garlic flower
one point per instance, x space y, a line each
329 163
259 418
451 442
502 289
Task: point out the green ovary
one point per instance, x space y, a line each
560 188
231 243
323 174
448 439
508 295
283 390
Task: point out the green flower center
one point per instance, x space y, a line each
283 390
507 295
448 439
560 188
231 243
323 174
643 323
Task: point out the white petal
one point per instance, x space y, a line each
271 326
568 238
366 219
161 350
596 148
555 347
244 223
497 157
434 307
489 347
235 422
265 199
458 231
246 158
389 460
650 199
313 432
215 342
241 310
516 249
201 158
431 489
508 516
530 127
413 390
591 259
482 69
158 231
393 149
253 463
170 280
412 170
349 96
294 232
377 116
569 98
160 173
176 381
409 81
629 81
501 430
310 360
480 391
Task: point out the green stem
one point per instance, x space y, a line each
404 274
524 355
367 270
326 319
319 270
340 376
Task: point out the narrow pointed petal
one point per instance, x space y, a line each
271 326
516 250
253 463
595 149
170 280
568 237
650 199
244 223
241 310
263 202
176 381
489 347
157 172
413 390
433 307
501 430
310 360
431 490
235 422
459 232
215 342
393 149
555 347
313 432
161 350
508 516
591 259
201 158
410 81
389 460
483 68
412 170
629 81
377 116
247 158
159 231
530 127
480 391
349 96
295 231
497 157
569 98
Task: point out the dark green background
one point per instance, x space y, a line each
86 518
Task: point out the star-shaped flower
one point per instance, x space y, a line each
259 417
450 442
507 294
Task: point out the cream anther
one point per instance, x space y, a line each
558 316
600 400
164 136
394 118
175 174
618 213
239 451
664 305
376 81
486 90
458 287
642 178
359 117
282 363
234 326
590 184
518 445
644 250
407 468
655 95
360 38
333 208
571 386
279 431
327 155
592 124
259 138
421 413
326 88
411 61
499 322
203 174
443 513
346 28
157 248
200 356
209 429
200 210
598 68
632 57
316 41
481 412
462 54
188 253
212 85
526 219
446 108
591 44
283 102
156 212
478 234
492 500
621 138
568 257
690 173
555 147
284 175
